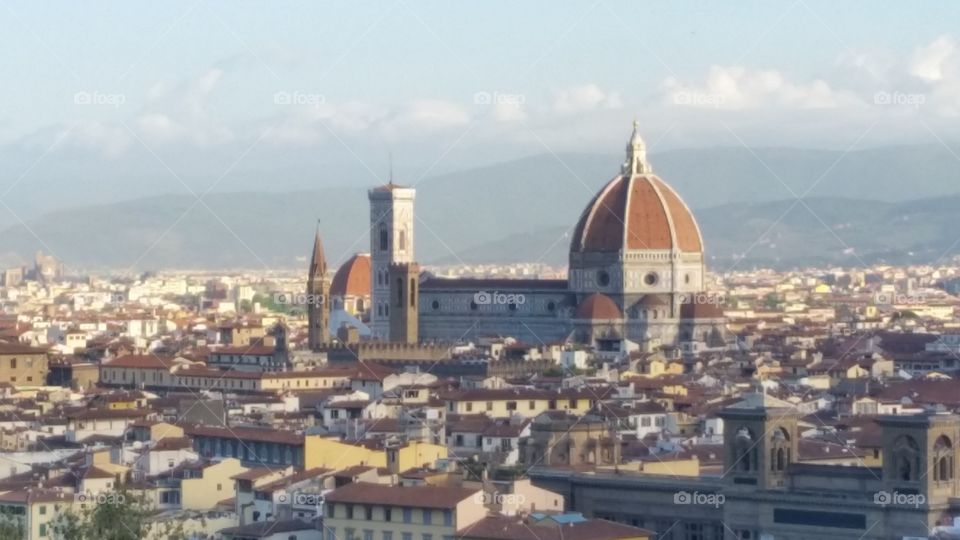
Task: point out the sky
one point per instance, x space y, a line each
113 100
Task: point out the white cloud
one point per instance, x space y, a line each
111 140
932 60
424 117
181 112
583 98
737 87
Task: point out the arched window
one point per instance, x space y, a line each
384 238
906 458
779 450
745 451
943 459
403 239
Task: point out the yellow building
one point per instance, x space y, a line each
507 402
151 371
21 365
214 484
320 452
362 510
35 510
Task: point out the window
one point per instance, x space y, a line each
43 509
428 517
406 536
407 515
43 529
573 404
448 518
13 363
469 406
511 405
489 405
387 535
369 513
387 515
349 511
532 405
367 534
384 243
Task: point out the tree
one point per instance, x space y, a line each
11 529
115 515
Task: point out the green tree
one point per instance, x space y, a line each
11 529
115 515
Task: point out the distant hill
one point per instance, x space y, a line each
521 211
253 230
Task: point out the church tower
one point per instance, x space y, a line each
760 442
391 242
318 293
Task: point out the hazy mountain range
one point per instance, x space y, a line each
853 213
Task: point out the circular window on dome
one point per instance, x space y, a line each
435 305
603 278
650 279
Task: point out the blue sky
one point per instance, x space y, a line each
139 90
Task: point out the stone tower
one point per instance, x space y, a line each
760 442
919 455
318 293
404 281
391 241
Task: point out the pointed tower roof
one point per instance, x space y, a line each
318 261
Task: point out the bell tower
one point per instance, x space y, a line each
391 241
318 292
760 442
920 454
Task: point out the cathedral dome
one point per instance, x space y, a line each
636 211
353 277
598 306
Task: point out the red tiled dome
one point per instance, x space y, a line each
353 277
636 212
598 306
